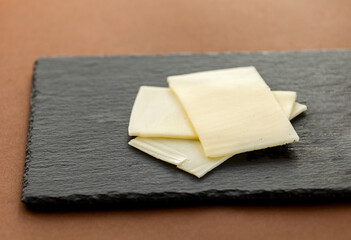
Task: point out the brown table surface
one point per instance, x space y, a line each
30 29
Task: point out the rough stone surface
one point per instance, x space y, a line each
77 152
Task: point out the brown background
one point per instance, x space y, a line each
30 29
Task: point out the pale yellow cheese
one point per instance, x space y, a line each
232 111
188 155
298 108
164 149
157 113
286 100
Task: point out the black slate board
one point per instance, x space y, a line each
77 152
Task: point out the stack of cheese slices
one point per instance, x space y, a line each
204 118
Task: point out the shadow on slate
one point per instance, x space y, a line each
77 154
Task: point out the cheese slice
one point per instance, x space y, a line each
164 149
232 111
298 108
187 155
286 100
157 113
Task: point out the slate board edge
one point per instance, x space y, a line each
192 53
28 157
137 200
211 196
